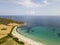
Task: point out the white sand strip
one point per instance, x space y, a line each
26 40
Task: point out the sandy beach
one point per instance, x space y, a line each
26 40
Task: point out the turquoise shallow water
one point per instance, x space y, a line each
46 35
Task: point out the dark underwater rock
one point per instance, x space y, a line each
32 30
58 34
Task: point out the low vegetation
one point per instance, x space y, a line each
4 29
10 39
7 21
19 42
2 40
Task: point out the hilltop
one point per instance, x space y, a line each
6 21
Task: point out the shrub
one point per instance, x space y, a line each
16 39
10 35
3 28
20 42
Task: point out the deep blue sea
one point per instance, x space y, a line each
45 29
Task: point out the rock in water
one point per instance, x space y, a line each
58 34
32 30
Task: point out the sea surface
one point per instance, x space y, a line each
42 34
45 29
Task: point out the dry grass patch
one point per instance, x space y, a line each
4 30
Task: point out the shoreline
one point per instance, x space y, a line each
26 40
